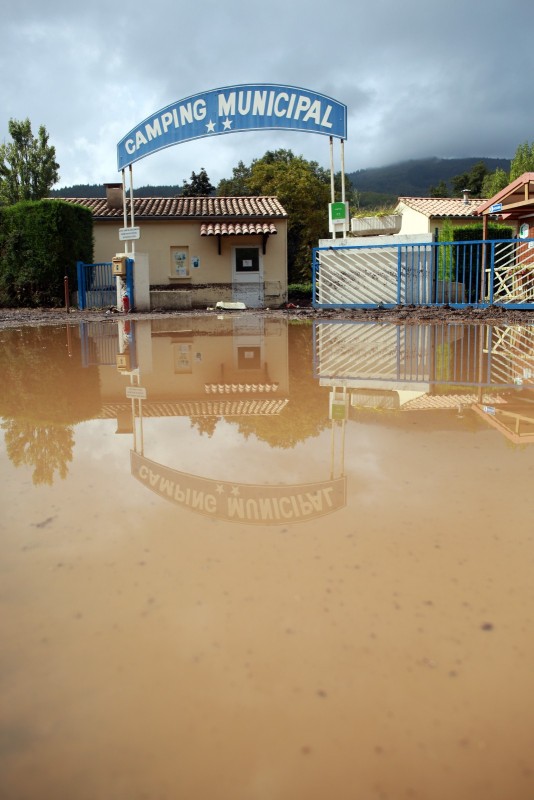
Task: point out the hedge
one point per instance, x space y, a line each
40 243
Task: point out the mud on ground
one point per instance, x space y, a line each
415 315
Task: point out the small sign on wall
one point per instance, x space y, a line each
179 262
338 216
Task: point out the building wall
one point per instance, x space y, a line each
413 221
158 238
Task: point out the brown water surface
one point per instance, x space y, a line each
249 560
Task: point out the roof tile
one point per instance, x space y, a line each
442 206
187 207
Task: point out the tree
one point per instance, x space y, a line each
494 182
28 167
199 185
471 180
439 190
237 185
523 161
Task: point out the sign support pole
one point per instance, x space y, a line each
124 208
332 193
342 150
132 207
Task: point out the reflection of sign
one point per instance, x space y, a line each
234 108
136 392
241 502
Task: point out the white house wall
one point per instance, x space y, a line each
158 237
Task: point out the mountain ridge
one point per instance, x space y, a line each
415 177
411 178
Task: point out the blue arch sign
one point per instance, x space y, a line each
248 107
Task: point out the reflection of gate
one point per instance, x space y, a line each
371 354
97 286
478 273
510 350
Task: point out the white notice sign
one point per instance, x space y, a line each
125 234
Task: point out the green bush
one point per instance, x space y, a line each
40 243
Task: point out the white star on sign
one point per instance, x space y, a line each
210 126
227 124
235 491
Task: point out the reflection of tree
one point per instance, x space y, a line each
45 391
48 448
205 425
306 414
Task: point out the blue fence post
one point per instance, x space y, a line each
314 276
130 282
399 274
81 285
492 273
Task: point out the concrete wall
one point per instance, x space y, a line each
206 266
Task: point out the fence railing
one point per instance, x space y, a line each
97 285
474 273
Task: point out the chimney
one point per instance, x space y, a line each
114 194
466 192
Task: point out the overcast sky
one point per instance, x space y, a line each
419 77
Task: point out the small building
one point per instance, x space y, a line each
201 249
428 214
513 204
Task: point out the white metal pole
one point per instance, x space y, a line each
342 149
124 207
132 207
332 193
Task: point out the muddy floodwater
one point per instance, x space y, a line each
246 558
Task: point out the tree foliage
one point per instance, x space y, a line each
471 180
494 182
199 185
28 167
523 160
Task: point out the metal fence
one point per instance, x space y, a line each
97 285
459 274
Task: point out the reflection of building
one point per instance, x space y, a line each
430 368
205 369
199 367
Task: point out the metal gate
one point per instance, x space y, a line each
97 285
459 274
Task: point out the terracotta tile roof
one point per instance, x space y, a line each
187 207
233 228
442 206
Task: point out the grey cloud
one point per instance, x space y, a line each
419 78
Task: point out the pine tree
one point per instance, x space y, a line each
28 167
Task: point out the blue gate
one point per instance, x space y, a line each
97 285
476 273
